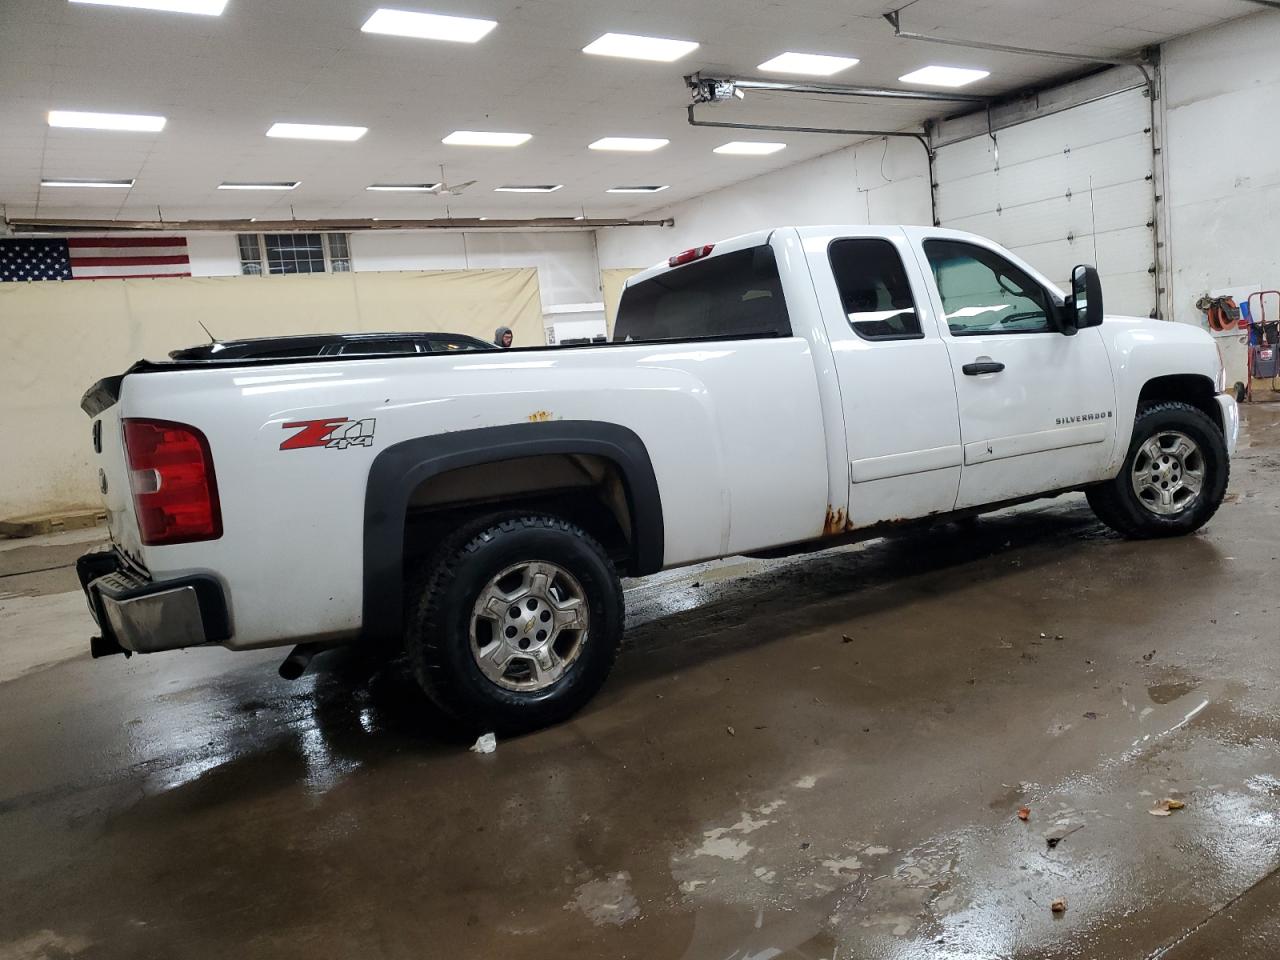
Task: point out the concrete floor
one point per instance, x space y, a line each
815 758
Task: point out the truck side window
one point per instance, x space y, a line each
734 295
874 289
983 293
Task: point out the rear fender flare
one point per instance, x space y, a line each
402 467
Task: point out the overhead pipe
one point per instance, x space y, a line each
895 20
702 85
52 224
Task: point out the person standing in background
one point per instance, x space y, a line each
502 337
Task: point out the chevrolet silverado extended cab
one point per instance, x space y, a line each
765 394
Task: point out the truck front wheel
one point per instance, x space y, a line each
1174 476
515 623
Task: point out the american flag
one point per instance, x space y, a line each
93 258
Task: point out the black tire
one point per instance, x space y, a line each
439 615
1118 505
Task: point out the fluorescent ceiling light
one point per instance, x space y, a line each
316 131
649 189
638 144
944 76
749 148
105 121
533 188
485 138
639 48
404 187
72 182
809 64
210 8
279 185
427 26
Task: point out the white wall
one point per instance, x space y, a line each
1222 151
878 181
566 262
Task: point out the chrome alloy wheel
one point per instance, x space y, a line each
1168 473
528 625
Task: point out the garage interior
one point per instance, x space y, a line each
907 747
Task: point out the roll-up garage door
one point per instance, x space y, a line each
1029 190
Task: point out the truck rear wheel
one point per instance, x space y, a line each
515 623
1173 479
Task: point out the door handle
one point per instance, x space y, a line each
981 366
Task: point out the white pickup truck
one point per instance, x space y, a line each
767 393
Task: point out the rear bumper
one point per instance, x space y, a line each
139 615
1230 420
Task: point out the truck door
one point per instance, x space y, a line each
895 378
1037 408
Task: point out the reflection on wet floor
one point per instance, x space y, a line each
813 758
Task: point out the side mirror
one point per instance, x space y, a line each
1084 309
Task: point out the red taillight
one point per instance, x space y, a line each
171 475
688 256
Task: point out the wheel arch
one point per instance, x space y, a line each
1191 388
402 468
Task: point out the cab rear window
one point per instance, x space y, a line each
731 296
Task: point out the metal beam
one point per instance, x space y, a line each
58 225
784 128
1132 61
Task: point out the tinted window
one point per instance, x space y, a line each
444 346
379 346
983 293
874 290
733 295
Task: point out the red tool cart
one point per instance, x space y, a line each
1264 339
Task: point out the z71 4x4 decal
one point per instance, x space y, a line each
336 433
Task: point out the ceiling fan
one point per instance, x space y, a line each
445 189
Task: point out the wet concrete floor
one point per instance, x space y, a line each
813 758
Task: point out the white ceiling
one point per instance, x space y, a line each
222 81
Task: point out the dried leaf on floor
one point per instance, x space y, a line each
1166 807
1059 905
732 732
1024 814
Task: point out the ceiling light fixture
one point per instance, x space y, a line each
807 64
208 8
73 182
81 120
636 144
316 131
485 138
935 76
533 188
749 148
276 185
427 26
635 47
405 187
641 189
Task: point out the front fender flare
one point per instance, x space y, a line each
402 467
